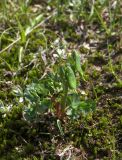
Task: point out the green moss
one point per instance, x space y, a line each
98 134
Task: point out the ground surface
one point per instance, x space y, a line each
27 56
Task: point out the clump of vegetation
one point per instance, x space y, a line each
60 79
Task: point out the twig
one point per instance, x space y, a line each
69 148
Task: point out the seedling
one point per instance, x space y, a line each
57 91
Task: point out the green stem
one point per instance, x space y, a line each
64 98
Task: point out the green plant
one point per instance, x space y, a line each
42 79
57 91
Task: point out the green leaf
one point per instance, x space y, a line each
62 72
74 100
43 106
71 78
22 31
78 63
36 20
87 106
31 95
78 106
33 22
30 112
35 91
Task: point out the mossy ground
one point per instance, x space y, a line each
97 135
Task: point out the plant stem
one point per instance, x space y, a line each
64 98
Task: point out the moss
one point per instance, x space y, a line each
96 134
